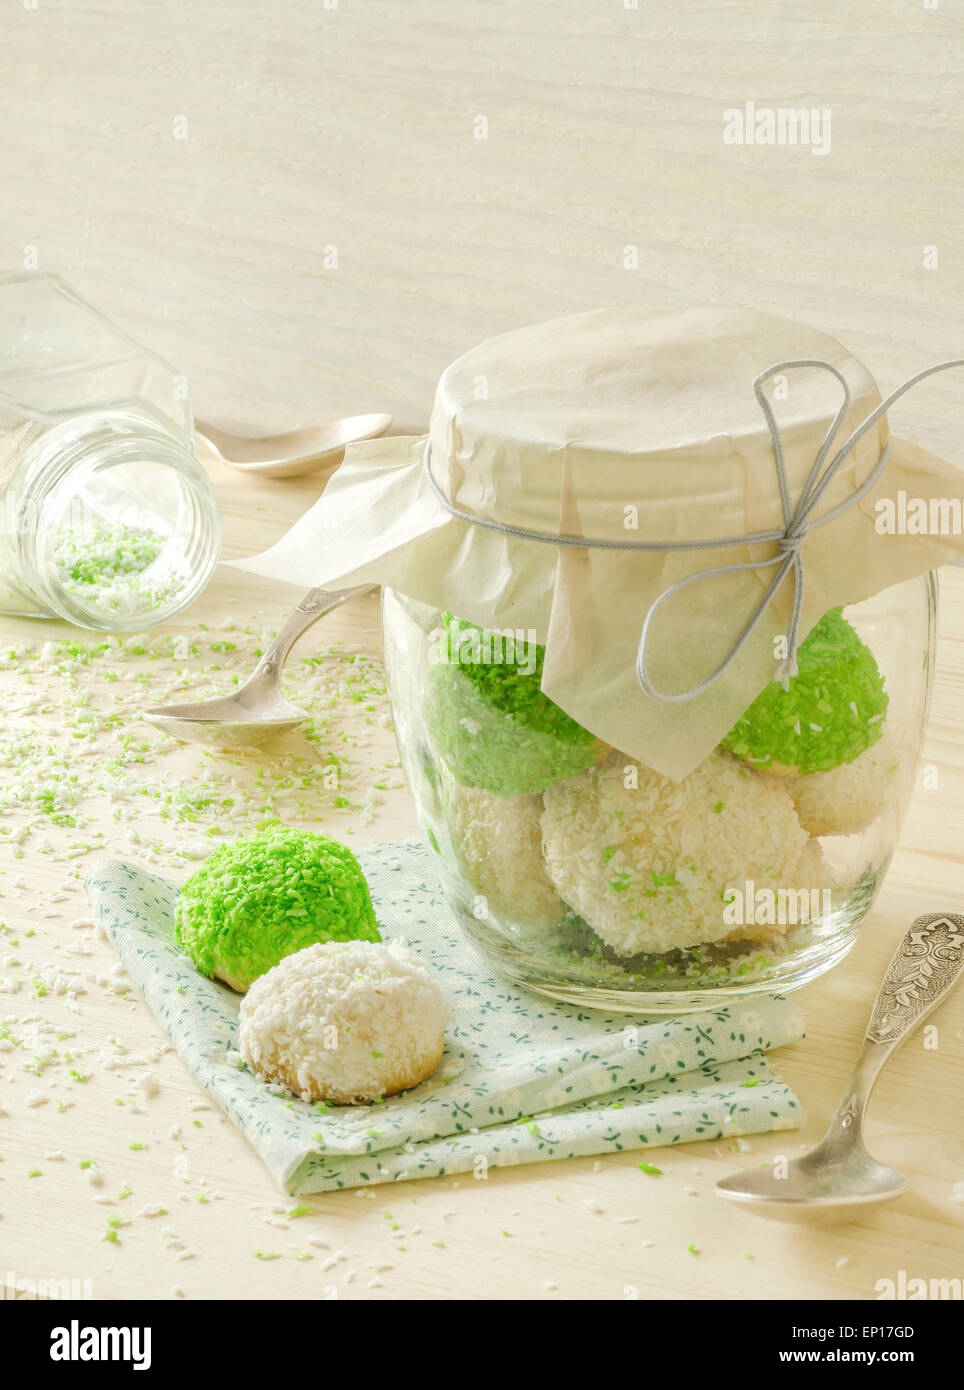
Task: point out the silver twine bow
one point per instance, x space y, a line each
789 540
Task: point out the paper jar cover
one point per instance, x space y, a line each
617 424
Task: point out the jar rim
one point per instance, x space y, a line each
59 475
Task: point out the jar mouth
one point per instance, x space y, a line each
121 529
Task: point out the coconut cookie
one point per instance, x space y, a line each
845 800
832 711
490 720
499 845
345 1022
262 897
647 861
810 875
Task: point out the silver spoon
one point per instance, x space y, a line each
258 711
838 1180
297 452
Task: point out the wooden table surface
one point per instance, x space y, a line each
198 199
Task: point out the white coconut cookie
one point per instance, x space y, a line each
345 1022
846 799
646 861
499 844
811 872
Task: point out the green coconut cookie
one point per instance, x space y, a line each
260 898
492 723
832 712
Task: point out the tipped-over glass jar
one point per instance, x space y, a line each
588 877
108 519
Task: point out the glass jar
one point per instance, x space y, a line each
108 519
582 875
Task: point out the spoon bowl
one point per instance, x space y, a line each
817 1189
227 722
295 453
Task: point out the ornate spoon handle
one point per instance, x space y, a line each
925 966
315 604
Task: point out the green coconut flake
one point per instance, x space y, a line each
46 789
100 551
832 711
103 564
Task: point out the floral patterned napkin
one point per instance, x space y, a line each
521 1080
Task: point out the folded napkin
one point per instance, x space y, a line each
521 1080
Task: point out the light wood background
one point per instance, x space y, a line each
309 128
